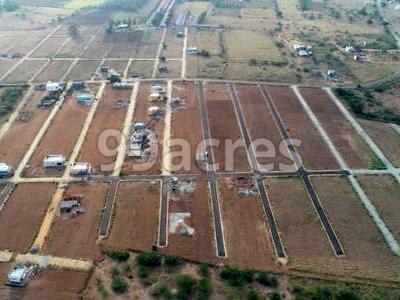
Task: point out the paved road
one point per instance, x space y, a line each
304 175
108 210
163 229
268 213
219 235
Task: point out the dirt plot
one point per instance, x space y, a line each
314 152
47 285
54 71
224 126
384 192
21 217
350 145
76 237
173 44
57 139
367 254
49 47
198 205
303 236
247 238
189 114
73 48
135 223
153 165
18 138
174 68
6 65
144 68
83 70
261 125
148 46
387 139
26 43
117 65
24 71
110 115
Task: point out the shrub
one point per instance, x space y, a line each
203 270
143 272
151 259
204 289
118 256
162 291
277 296
172 261
267 280
186 285
253 295
119 285
236 277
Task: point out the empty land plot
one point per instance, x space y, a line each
148 46
54 71
26 43
261 126
56 284
5 65
153 164
117 65
20 135
205 40
98 49
246 235
76 236
173 45
24 71
198 205
314 152
21 217
303 236
245 45
174 69
345 138
73 48
83 70
135 222
386 138
49 47
384 192
189 114
224 127
60 138
110 115
367 254
143 68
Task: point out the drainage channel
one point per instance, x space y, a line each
305 177
162 232
211 175
108 210
268 213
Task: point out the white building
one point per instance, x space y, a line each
81 169
53 86
54 161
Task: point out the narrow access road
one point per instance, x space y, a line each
108 209
163 220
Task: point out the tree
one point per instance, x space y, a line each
73 31
305 5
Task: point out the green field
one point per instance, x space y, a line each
245 45
79 4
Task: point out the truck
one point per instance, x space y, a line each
21 273
54 161
85 99
5 170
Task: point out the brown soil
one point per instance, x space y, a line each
200 247
48 284
73 48
60 138
367 254
303 236
21 217
350 145
313 150
224 126
48 48
386 138
384 192
117 65
261 125
110 115
135 221
174 69
54 71
174 45
247 238
6 65
83 70
24 71
21 134
187 124
76 237
153 165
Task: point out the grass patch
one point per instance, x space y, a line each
377 164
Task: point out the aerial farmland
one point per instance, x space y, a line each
199 150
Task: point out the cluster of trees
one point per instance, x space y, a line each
306 5
9 5
9 99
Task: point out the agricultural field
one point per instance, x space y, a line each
142 68
83 70
54 71
24 72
